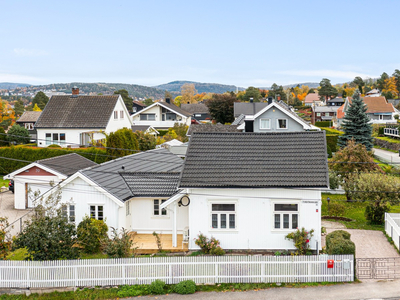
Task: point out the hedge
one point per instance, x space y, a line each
97 155
162 132
338 242
332 131
331 141
323 124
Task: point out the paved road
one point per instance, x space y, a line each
367 290
388 156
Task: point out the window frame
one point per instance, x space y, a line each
66 211
121 114
269 123
277 124
97 211
145 117
281 214
28 126
48 138
161 213
115 114
318 114
226 213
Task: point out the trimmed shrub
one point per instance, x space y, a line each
162 132
54 146
332 131
338 246
157 287
323 124
91 233
186 287
376 214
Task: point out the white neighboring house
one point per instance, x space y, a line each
126 192
249 190
146 129
161 115
38 176
74 120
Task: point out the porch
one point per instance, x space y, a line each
147 244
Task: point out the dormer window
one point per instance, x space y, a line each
282 124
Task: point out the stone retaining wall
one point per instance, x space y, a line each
386 144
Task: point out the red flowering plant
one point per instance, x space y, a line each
301 239
209 246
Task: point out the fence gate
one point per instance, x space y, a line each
378 268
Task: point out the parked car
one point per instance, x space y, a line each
11 186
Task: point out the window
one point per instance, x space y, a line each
134 109
127 208
48 138
147 117
156 209
282 124
121 114
380 117
265 124
223 216
327 114
68 211
29 126
55 138
62 138
115 115
286 216
96 212
318 114
197 115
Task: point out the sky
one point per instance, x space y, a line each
243 43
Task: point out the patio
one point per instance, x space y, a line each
147 244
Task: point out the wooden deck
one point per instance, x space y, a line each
147 244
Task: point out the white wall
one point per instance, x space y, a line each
158 123
115 124
142 220
254 217
35 183
72 136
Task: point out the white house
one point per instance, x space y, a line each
38 176
126 192
161 115
249 190
74 120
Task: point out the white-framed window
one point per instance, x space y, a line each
115 114
68 211
223 216
97 212
62 138
327 114
286 216
282 123
156 208
127 208
147 117
134 109
197 115
55 138
318 114
121 114
48 138
265 123
29 126
380 117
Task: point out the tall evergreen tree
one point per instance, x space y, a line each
356 124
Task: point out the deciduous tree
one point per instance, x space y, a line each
19 108
252 92
188 91
380 83
221 107
127 100
122 142
7 115
40 99
18 135
390 89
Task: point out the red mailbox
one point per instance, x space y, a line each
330 263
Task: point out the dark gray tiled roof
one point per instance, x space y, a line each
256 160
211 128
107 175
195 108
239 120
140 127
248 108
176 109
77 112
29 116
146 184
67 164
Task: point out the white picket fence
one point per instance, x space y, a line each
201 269
392 227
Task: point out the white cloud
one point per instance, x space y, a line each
29 52
325 73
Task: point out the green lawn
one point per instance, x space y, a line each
354 211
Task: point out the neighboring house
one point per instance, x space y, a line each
211 128
247 108
249 190
39 175
324 113
161 115
312 99
338 101
276 117
379 110
146 129
199 112
373 93
137 106
126 192
28 120
176 147
75 120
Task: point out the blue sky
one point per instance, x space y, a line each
245 43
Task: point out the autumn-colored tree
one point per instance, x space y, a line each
390 89
188 91
7 114
177 101
396 76
36 108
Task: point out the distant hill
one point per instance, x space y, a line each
175 86
309 84
11 85
137 91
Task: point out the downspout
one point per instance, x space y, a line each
174 227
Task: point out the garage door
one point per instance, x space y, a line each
32 188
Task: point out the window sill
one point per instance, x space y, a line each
224 230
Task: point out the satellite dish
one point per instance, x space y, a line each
185 201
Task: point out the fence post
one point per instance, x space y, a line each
216 272
123 275
263 267
27 277
76 275
170 273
